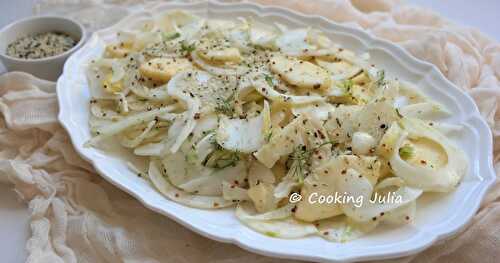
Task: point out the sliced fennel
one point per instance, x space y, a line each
163 185
440 178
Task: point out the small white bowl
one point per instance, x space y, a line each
438 216
48 68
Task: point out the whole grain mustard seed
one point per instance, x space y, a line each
40 45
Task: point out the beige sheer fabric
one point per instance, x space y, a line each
78 217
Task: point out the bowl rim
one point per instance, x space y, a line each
32 19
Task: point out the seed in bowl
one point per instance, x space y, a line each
40 45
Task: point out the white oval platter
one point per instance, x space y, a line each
438 216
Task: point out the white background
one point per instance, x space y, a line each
14 216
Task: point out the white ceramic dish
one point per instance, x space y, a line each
46 68
438 216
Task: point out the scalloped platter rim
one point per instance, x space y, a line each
438 217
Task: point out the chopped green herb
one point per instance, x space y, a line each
347 86
406 152
268 135
269 80
271 234
299 162
170 36
380 78
187 48
226 106
399 113
221 158
214 142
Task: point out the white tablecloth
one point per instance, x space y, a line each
470 62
